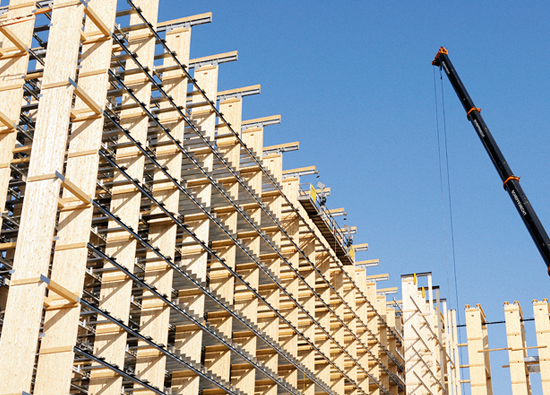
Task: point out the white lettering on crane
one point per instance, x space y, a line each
519 204
478 128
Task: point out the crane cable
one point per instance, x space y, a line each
449 198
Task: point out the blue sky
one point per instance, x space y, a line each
353 83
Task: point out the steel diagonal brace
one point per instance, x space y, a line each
215 152
250 288
210 251
156 121
256 160
215 334
147 339
119 371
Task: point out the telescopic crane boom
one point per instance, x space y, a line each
510 182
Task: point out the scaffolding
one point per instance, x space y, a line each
150 242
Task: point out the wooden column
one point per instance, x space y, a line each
322 315
478 355
383 333
541 311
194 259
218 358
453 333
372 323
337 331
116 288
362 311
69 264
155 315
253 138
307 299
351 344
267 320
287 337
38 219
13 64
515 333
391 345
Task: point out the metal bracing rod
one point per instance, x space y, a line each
261 234
241 212
116 369
221 260
147 339
220 116
217 154
198 285
261 266
211 331
146 192
222 160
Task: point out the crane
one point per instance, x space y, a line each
509 180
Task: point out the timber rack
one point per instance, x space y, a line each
150 243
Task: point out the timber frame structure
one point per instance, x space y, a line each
150 243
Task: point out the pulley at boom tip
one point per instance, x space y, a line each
436 61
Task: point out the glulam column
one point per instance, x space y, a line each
38 219
116 287
54 371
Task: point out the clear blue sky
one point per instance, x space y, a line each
353 83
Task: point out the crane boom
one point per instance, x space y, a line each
510 182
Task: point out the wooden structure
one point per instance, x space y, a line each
524 361
431 348
150 243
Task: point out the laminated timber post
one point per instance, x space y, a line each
350 296
391 344
381 306
322 315
306 353
291 223
362 309
452 333
61 321
444 348
515 333
194 257
116 287
155 314
13 63
32 256
478 351
372 325
245 301
267 320
218 358
541 311
337 331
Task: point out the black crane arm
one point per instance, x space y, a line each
510 182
